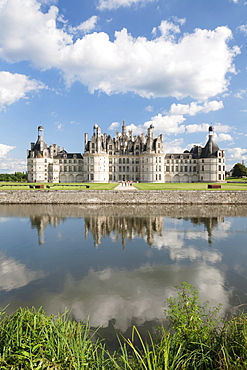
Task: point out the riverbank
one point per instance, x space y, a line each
196 338
122 197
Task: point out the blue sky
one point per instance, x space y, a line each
70 64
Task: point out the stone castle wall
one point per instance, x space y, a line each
122 197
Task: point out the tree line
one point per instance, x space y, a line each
17 176
239 170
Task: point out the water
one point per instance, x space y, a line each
118 265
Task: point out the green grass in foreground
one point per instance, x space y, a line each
197 339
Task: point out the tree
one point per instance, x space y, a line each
239 170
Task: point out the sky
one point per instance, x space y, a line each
69 64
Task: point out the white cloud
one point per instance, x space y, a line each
4 149
114 125
203 127
115 4
15 86
149 108
86 26
195 65
223 137
167 124
11 165
59 126
237 154
193 108
174 146
240 94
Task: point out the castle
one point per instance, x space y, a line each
124 158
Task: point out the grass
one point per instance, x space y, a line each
60 186
189 186
233 186
197 338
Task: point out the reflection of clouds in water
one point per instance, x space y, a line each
14 274
175 243
4 219
132 296
222 230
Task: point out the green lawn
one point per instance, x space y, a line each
61 186
140 186
188 186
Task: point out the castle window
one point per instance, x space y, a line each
167 168
123 160
219 176
159 159
120 160
120 169
160 176
110 153
176 168
202 160
219 160
127 161
65 168
110 147
110 168
185 169
181 168
219 168
202 168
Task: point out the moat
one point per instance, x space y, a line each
117 265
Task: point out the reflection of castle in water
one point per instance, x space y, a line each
123 228
209 223
42 221
146 227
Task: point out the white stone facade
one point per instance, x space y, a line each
124 158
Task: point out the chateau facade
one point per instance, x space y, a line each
124 158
